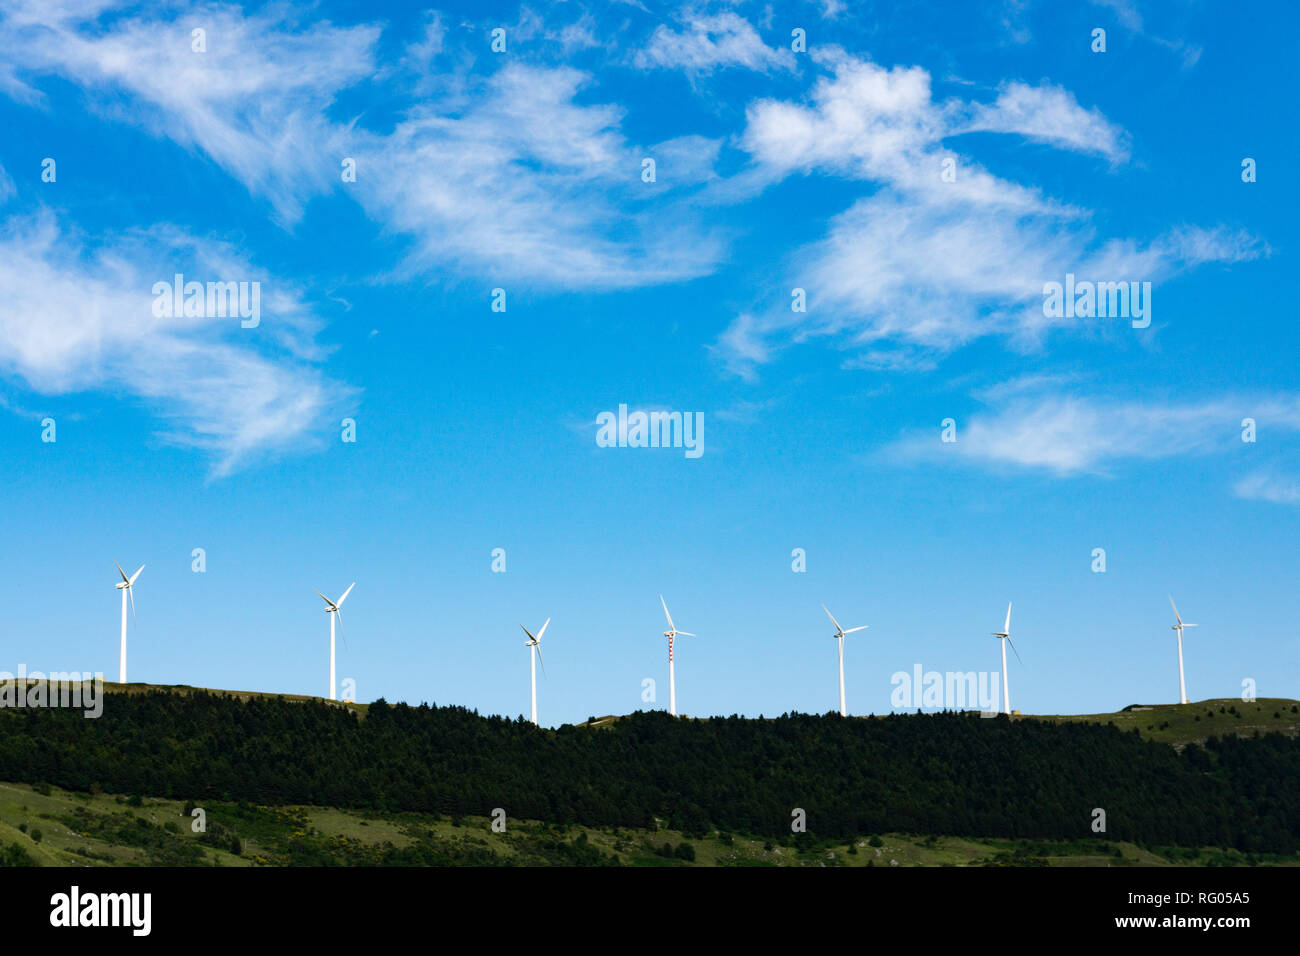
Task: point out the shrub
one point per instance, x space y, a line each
15 855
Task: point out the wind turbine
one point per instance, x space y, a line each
332 609
839 636
125 586
671 634
1178 629
534 645
1004 635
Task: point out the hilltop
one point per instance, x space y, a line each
112 688
945 774
1197 722
1174 724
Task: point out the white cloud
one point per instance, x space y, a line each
80 317
1051 115
923 265
421 54
255 101
712 42
1264 486
1069 435
506 177
525 183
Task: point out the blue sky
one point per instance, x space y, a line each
522 170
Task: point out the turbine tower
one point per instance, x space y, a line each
534 645
1004 636
1178 629
332 609
126 586
839 636
671 634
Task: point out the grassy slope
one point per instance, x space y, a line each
1180 724
266 836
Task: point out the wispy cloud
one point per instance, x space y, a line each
1051 115
522 182
79 316
1070 435
255 100
503 174
1267 486
709 42
928 262
1130 17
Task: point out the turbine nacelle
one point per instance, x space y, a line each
536 640
332 607
1005 633
127 584
839 631
1177 617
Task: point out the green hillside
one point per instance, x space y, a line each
1026 788
46 826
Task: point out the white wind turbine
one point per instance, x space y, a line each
332 609
1178 629
1004 635
671 634
534 645
839 636
126 586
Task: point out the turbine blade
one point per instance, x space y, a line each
121 572
1007 626
330 604
131 591
538 648
1013 648
1189 625
852 629
339 602
339 614
687 633
136 575
833 621
671 625
528 632
543 630
1175 607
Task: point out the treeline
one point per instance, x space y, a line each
942 773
